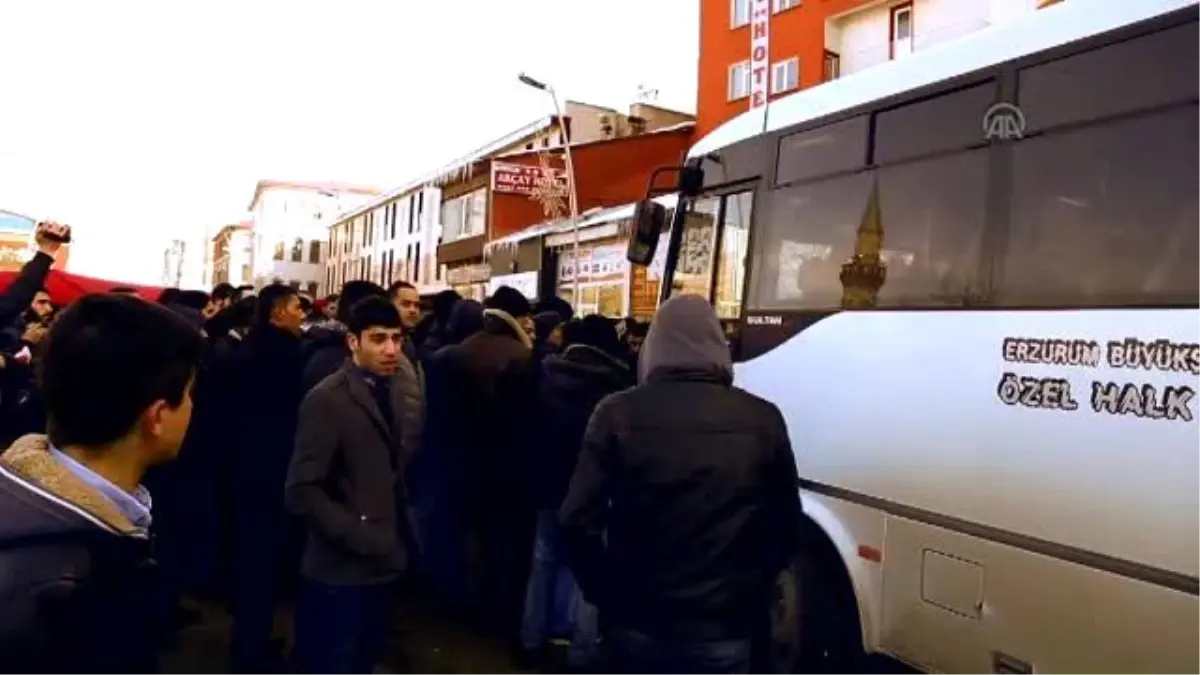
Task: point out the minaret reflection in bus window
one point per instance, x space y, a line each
865 272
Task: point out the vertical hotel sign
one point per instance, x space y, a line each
760 52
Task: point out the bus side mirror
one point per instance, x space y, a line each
649 219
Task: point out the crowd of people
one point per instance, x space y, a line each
548 479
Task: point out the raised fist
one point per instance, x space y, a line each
50 236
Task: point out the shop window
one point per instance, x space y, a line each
1106 215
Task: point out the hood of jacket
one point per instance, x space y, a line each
466 319
587 366
29 461
500 322
685 339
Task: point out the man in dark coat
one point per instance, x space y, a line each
346 482
683 447
438 473
570 386
490 369
268 389
78 589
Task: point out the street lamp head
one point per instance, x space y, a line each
529 81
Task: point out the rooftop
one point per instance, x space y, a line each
324 187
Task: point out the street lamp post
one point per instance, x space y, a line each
572 196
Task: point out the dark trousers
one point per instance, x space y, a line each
635 652
505 536
443 541
258 538
342 629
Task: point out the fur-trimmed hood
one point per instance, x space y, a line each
501 322
29 463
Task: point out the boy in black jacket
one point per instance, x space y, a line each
77 581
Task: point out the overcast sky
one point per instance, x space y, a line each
140 122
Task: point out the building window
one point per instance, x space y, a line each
279 251
312 289
784 5
831 68
294 284
785 75
417 268
298 250
901 30
245 275
314 252
739 81
394 209
465 216
739 13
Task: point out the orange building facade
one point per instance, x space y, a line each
753 51
796 30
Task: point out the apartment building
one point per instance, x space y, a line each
291 222
391 239
232 251
752 51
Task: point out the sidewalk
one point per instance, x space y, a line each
420 643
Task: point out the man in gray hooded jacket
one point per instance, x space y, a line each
684 505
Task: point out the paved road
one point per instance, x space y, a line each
420 643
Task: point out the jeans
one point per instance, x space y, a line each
635 652
342 629
551 586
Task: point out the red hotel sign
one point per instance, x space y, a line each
523 179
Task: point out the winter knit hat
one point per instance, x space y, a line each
545 323
511 301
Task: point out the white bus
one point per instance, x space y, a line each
969 279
